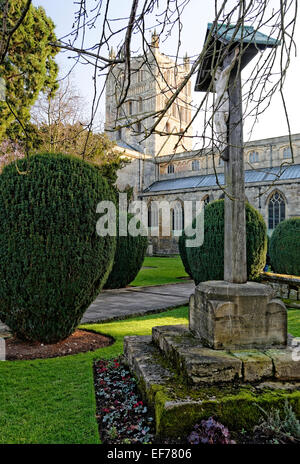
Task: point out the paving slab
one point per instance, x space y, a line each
137 301
134 301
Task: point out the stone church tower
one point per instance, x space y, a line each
152 83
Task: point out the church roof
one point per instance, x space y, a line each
126 146
209 180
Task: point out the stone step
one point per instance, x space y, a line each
179 407
205 365
197 363
139 353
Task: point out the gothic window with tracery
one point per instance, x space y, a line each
276 209
177 217
195 165
253 157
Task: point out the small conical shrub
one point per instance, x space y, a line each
52 261
129 257
285 247
182 252
206 262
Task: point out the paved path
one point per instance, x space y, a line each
134 301
126 302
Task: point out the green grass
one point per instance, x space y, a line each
294 322
164 271
52 400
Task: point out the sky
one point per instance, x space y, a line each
271 123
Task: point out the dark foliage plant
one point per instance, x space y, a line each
206 262
210 432
183 255
285 247
122 416
52 261
129 257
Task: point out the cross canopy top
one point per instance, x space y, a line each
230 36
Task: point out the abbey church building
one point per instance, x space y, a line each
158 172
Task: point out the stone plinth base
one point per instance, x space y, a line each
237 316
185 382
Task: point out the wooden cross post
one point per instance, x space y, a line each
235 258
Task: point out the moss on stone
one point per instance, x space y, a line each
177 407
236 411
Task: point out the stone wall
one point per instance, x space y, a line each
153 82
256 194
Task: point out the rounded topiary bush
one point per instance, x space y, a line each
206 262
129 257
285 247
182 252
52 261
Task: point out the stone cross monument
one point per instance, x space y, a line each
237 332
234 313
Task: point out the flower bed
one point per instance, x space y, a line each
121 414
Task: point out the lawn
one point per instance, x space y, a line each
52 401
160 271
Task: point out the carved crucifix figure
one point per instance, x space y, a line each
221 106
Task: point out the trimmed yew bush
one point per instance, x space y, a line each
52 261
182 252
129 257
207 261
285 247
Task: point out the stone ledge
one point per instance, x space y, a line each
256 365
286 363
140 356
195 362
199 364
178 408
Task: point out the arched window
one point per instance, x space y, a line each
130 107
171 169
168 127
195 165
177 217
175 110
139 127
153 216
276 209
287 153
253 157
140 104
119 134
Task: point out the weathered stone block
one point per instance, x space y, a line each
179 407
286 363
256 365
224 315
139 354
197 363
202 365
